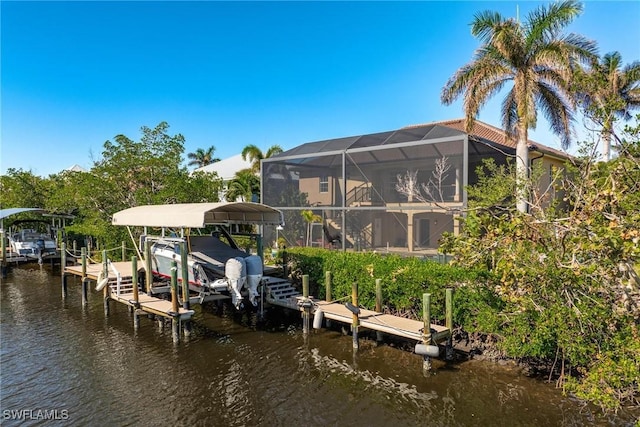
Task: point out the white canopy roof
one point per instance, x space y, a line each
13 211
198 215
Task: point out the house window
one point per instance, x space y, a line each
324 184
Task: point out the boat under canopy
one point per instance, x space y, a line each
198 215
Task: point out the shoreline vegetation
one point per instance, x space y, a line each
547 274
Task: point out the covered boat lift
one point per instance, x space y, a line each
198 215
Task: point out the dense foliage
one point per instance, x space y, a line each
566 272
129 173
404 280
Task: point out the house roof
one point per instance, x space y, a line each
494 134
427 131
227 168
198 215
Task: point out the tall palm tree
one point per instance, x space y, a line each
608 92
253 154
202 157
243 186
536 57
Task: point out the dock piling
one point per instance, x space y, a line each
147 262
63 257
426 334
306 304
449 322
175 322
185 286
136 297
355 320
379 305
105 273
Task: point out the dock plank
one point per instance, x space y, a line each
387 323
152 305
93 270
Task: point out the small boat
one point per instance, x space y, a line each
32 244
216 264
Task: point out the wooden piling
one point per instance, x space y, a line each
85 292
379 305
148 266
306 310
449 322
328 279
4 248
136 297
63 257
175 322
105 273
426 334
185 285
327 286
354 322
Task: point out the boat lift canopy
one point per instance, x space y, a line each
198 215
4 213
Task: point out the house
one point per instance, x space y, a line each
226 169
351 183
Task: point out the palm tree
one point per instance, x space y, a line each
203 157
253 154
243 186
310 218
537 58
607 92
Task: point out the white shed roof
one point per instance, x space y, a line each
227 168
198 215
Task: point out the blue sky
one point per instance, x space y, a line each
75 74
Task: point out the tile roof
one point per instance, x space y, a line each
491 133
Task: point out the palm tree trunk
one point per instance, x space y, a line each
522 170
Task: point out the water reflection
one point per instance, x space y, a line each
58 356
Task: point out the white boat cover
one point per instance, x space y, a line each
198 215
13 211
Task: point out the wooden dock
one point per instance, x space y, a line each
387 323
124 294
281 293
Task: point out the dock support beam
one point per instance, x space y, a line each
354 321
185 286
136 297
426 335
327 287
379 305
147 262
449 322
175 319
64 286
63 257
306 307
85 291
105 272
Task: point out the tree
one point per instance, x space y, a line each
310 218
607 91
253 154
538 59
243 186
202 157
567 274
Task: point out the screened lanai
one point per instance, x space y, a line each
390 191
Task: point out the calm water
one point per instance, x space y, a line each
59 360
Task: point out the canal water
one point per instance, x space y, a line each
64 365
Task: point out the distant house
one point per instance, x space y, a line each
75 168
226 169
351 183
